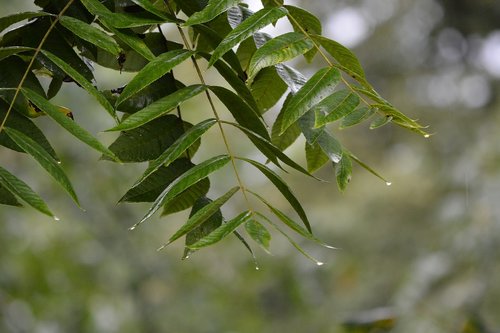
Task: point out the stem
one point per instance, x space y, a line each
214 110
32 61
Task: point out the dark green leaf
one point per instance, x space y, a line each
272 3
268 88
319 86
343 171
357 116
153 71
7 198
315 157
42 157
334 107
134 42
222 231
152 8
259 234
22 190
91 34
304 21
66 122
159 108
278 50
7 21
11 50
187 198
213 9
254 23
291 134
190 177
283 188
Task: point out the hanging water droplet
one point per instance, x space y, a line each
59 162
257 268
388 183
319 263
427 136
56 218
132 228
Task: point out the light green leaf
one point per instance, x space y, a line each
153 71
190 177
303 20
213 9
7 21
159 108
66 122
42 157
343 171
252 24
91 34
380 121
357 116
315 157
82 81
277 50
319 86
330 146
334 107
23 191
202 215
283 188
178 147
259 234
11 50
222 231
366 167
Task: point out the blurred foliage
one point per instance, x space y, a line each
426 247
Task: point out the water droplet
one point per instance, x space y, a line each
56 218
132 228
59 162
319 263
427 136
257 268
186 257
388 183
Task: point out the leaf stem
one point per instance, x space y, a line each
214 110
32 61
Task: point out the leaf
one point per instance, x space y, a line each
7 21
148 141
213 9
16 186
7 198
68 124
357 116
277 50
152 8
292 77
190 177
316 89
91 34
334 107
380 121
330 146
242 113
159 108
349 62
315 157
302 20
268 88
203 229
42 157
291 134
202 215
187 198
366 167
259 234
343 171
177 148
222 231
82 81
11 50
252 24
134 42
153 71
238 14
283 188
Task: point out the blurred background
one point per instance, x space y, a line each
421 255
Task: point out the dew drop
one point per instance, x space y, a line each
59 162
388 183
132 228
186 257
257 268
427 136
56 218
319 263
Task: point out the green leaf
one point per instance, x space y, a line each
347 60
222 231
292 77
268 88
380 121
259 234
153 71
357 116
66 122
7 21
134 42
42 157
283 141
330 146
150 7
148 141
366 167
272 3
315 157
343 171
177 148
213 9
283 188
334 107
202 215
277 50
242 113
190 177
187 198
212 223
82 81
11 50
316 89
22 190
159 108
7 198
304 20
91 34
252 24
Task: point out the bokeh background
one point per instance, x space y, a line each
424 251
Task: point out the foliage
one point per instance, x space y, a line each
63 39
